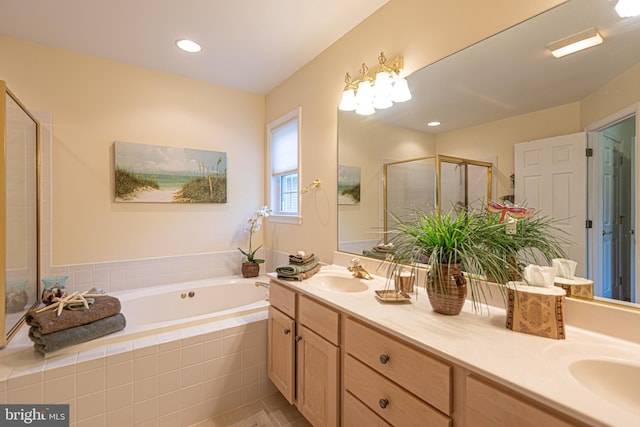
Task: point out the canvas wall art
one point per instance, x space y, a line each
348 185
158 174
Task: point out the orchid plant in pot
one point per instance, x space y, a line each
251 268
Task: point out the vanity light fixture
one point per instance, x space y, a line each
628 8
575 42
375 89
188 45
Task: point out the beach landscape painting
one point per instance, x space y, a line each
348 185
157 174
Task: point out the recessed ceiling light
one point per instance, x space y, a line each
188 45
434 123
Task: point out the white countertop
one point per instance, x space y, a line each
479 341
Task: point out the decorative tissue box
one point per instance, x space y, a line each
577 287
536 310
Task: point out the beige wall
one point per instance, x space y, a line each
95 102
618 94
423 32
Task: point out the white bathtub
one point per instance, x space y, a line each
178 361
184 304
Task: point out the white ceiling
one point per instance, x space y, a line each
251 45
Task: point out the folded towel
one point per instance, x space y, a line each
46 343
301 276
536 275
378 255
293 269
301 259
564 267
47 321
382 248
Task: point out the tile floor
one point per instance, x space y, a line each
272 411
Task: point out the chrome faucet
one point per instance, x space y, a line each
358 270
263 284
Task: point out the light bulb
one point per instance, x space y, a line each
364 94
628 8
401 91
348 102
365 109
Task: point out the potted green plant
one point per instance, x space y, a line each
534 239
462 249
457 248
251 268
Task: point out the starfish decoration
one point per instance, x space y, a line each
60 303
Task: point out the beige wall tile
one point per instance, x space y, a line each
144 367
169 382
60 389
91 381
192 375
191 355
120 397
90 405
145 389
122 417
119 374
145 411
170 402
169 360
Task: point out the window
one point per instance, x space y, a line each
284 142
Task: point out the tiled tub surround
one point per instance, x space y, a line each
174 375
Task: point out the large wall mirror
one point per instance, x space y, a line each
19 254
506 91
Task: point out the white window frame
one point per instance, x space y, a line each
294 115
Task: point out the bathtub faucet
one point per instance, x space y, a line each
263 284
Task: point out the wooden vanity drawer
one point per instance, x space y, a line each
357 413
390 401
490 405
423 375
319 318
283 299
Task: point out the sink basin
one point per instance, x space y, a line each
338 283
613 380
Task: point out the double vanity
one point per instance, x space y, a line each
345 358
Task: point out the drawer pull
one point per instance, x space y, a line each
383 403
298 338
384 358
287 331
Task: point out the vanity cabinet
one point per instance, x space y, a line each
304 354
491 405
340 369
398 383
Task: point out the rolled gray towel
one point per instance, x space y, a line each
46 343
293 269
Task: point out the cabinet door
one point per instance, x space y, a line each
280 360
492 406
318 367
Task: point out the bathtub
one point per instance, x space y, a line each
178 305
189 351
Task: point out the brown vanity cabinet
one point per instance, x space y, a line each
339 369
304 354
